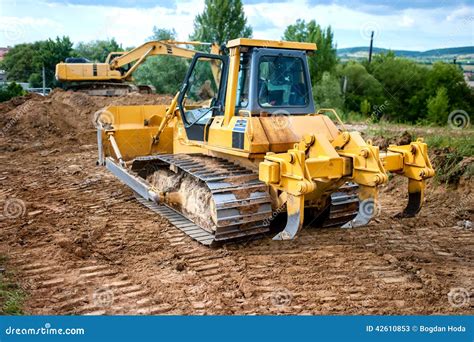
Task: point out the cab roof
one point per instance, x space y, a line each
277 44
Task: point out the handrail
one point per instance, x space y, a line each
331 110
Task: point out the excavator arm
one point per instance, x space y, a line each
154 48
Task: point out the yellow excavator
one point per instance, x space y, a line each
114 76
241 151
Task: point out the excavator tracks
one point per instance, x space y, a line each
111 88
241 203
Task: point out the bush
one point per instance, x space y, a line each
11 90
438 107
327 92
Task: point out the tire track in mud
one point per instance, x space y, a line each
95 250
90 283
85 287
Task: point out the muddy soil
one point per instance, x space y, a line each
79 243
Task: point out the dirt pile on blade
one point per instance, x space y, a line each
187 195
63 117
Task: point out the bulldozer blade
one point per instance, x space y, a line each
295 210
416 190
367 207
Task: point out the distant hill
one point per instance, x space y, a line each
363 51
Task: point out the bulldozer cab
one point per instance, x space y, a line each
253 78
272 80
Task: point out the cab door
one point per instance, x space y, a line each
202 94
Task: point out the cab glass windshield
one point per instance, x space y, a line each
282 82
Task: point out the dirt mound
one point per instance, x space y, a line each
384 142
450 165
17 101
59 118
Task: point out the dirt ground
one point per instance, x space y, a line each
79 243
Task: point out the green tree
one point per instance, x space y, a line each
404 85
450 77
221 21
324 59
97 50
11 90
162 34
24 60
165 73
438 107
35 80
360 86
365 107
327 92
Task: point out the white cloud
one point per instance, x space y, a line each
15 30
417 29
130 26
406 21
462 13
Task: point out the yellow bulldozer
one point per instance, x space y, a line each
114 77
241 151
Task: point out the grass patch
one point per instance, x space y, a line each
452 151
462 144
11 295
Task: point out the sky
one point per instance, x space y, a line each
404 24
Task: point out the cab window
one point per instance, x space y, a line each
282 82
